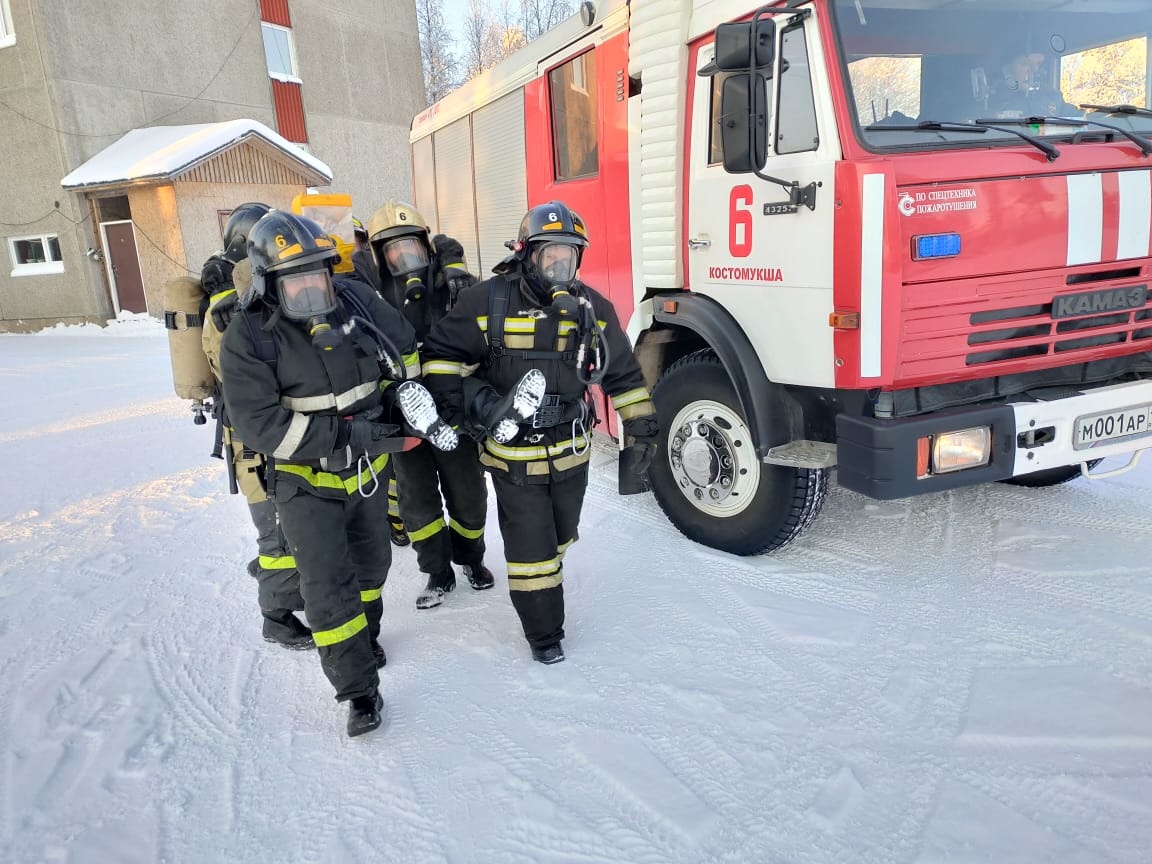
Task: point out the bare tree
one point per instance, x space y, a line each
539 16
481 39
441 68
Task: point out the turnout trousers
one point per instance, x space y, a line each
427 480
343 554
539 522
277 581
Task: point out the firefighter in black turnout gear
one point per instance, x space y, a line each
309 366
365 267
422 278
535 313
274 568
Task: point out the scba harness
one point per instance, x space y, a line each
555 409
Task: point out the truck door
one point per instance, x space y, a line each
770 265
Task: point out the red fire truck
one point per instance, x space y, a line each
908 239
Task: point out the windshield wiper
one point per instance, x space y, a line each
980 126
1118 109
1139 140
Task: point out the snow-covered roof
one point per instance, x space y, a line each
159 153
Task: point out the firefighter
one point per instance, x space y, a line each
1024 89
422 279
365 268
274 568
535 313
309 365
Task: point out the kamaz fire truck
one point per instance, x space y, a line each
908 239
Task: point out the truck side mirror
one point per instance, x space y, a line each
744 123
732 46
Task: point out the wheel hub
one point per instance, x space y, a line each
702 460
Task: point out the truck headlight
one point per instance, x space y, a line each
967 448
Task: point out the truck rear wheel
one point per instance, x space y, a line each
707 478
1050 477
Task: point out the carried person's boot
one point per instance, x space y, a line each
284 628
438 585
500 416
364 713
378 653
419 410
548 654
479 576
398 535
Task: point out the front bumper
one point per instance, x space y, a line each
878 457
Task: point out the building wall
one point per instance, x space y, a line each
363 83
159 241
197 205
32 200
95 69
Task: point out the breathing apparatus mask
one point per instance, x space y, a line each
407 259
551 270
308 297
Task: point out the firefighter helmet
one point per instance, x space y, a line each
550 245
400 239
281 242
239 226
358 229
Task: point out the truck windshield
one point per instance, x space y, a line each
917 69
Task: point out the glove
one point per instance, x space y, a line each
641 434
364 435
223 311
216 276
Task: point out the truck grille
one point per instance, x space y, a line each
960 329
1028 337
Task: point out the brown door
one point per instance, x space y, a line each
124 267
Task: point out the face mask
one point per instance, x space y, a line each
407 259
308 297
556 263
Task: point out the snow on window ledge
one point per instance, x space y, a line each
286 79
9 40
37 269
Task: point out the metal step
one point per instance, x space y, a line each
803 454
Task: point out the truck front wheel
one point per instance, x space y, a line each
707 478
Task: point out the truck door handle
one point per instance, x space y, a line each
698 243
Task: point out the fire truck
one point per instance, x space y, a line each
905 239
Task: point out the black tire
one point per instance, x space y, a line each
782 501
1050 477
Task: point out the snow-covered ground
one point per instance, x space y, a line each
965 677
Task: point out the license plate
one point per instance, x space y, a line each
1095 429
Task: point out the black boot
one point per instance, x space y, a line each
548 654
378 653
364 713
284 628
398 535
419 410
479 576
438 585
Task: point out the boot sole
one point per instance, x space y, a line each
529 393
292 646
419 409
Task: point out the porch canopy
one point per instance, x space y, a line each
205 152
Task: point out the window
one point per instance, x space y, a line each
573 94
279 52
796 111
35 255
715 140
7 34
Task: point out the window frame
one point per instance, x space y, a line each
7 31
589 90
294 76
39 268
778 117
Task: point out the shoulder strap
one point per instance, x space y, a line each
262 339
346 292
498 299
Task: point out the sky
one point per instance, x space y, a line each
962 677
